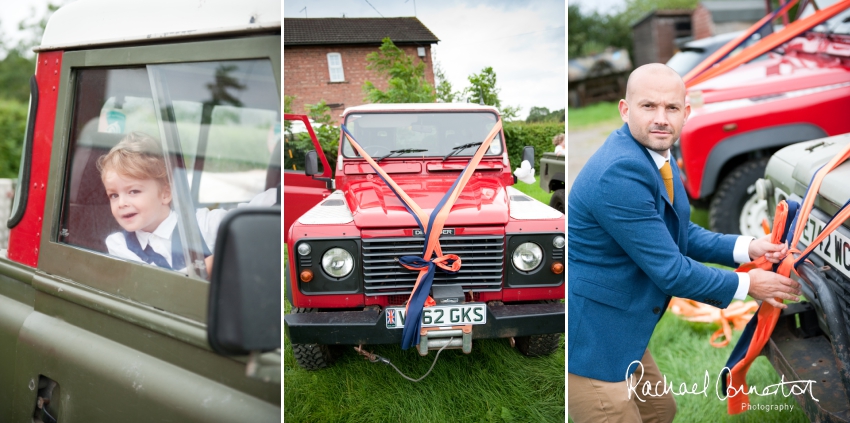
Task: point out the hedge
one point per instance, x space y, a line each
13 123
537 135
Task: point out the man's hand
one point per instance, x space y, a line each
767 286
774 253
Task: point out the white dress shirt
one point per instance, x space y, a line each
740 253
160 238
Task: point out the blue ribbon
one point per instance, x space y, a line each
416 304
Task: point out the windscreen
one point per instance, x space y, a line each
420 134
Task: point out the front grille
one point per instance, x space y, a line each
482 263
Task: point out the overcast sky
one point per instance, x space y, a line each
524 41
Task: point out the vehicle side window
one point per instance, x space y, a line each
209 133
297 143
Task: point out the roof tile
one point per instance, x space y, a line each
317 31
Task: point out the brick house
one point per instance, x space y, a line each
325 58
716 17
656 33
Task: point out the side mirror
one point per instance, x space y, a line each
311 163
244 306
528 154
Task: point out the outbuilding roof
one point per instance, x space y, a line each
323 31
734 11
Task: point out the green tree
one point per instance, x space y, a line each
13 121
483 90
299 144
327 132
591 33
15 73
406 80
537 114
18 63
542 114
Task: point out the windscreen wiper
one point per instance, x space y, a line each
460 148
406 150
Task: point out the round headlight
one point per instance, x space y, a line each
304 249
337 262
558 242
527 256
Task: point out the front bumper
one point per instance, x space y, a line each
369 326
804 353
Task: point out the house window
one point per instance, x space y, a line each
335 67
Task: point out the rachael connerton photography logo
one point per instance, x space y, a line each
647 389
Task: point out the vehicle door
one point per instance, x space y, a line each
302 191
112 338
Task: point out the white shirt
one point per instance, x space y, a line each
160 238
560 149
741 251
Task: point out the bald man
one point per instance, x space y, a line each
632 247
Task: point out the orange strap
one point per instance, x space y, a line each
770 42
735 316
767 314
727 48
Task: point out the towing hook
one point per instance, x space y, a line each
372 357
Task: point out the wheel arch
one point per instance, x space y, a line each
737 149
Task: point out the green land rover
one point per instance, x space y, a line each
91 335
810 341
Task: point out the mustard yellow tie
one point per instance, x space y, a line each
667 176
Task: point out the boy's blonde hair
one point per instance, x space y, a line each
558 139
137 156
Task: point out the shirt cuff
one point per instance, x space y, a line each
741 252
743 286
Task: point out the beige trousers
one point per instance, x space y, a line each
592 400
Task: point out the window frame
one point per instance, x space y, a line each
331 68
100 273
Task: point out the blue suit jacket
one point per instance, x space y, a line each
630 250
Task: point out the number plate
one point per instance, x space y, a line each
443 315
834 250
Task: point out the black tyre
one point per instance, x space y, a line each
311 356
538 345
557 201
735 208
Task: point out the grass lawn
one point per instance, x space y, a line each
592 115
534 190
683 354
493 384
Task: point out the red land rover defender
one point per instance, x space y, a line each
344 279
799 92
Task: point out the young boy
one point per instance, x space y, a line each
559 141
136 181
